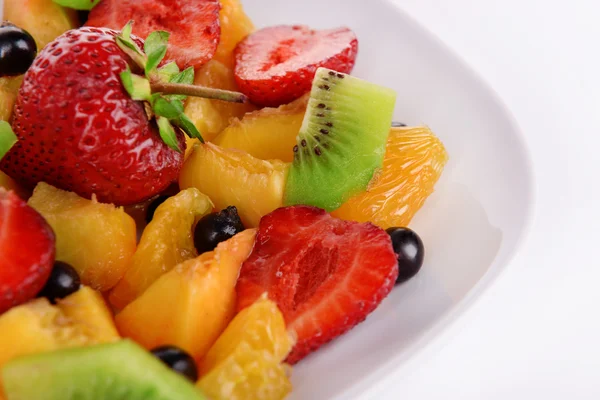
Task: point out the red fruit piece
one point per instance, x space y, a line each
26 251
79 130
276 65
193 24
325 274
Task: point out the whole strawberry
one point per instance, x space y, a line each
87 124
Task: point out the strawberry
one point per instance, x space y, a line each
276 65
325 274
194 25
87 124
27 250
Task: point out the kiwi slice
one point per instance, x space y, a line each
116 371
341 142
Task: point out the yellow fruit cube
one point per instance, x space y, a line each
166 242
234 178
97 239
235 26
192 304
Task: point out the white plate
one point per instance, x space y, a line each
471 225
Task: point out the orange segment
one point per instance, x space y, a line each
192 304
246 361
414 161
235 26
97 239
165 242
212 116
234 178
268 134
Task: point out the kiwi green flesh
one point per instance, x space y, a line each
116 371
341 143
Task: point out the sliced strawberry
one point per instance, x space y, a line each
194 25
276 65
325 274
26 251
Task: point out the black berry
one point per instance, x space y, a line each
62 282
178 360
216 228
17 50
409 250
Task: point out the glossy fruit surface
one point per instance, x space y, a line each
409 250
166 242
235 26
325 275
246 361
268 133
215 228
178 360
413 163
190 305
212 116
17 50
96 239
234 178
63 281
79 129
276 65
193 25
27 250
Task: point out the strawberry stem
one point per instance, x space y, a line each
198 91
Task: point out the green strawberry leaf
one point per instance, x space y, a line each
137 86
188 127
7 138
167 133
186 76
167 71
126 43
155 47
165 108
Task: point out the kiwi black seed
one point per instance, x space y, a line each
343 138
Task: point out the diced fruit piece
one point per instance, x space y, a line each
190 305
235 26
97 239
121 370
27 249
268 134
325 274
7 183
7 138
17 50
63 281
246 361
413 163
193 25
78 320
167 241
78 4
212 116
409 250
43 19
216 228
276 65
341 142
234 178
9 86
178 360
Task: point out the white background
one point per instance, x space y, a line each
535 334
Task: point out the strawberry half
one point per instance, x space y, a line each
194 25
276 65
325 274
26 251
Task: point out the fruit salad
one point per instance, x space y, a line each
191 205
